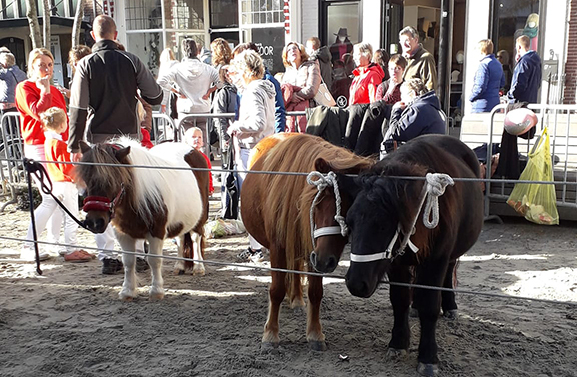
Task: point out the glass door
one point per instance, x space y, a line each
391 24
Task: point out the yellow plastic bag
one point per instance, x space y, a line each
537 202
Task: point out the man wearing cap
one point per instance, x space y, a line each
342 45
420 62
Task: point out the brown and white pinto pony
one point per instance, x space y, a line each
147 203
276 212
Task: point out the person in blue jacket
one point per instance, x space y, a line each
489 79
418 113
527 74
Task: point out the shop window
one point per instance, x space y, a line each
262 11
143 14
512 19
147 46
185 14
342 26
223 14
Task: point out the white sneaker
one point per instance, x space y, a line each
30 255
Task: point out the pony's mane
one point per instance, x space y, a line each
392 193
298 154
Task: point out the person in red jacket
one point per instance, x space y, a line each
368 76
55 122
33 97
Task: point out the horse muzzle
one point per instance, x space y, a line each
323 265
96 223
362 280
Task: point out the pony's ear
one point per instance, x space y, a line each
348 185
322 165
120 154
84 147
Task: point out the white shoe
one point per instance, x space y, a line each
30 255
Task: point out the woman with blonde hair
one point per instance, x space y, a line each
255 121
221 52
300 83
33 97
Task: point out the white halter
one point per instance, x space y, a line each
434 187
323 181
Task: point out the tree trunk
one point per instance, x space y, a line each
78 16
32 15
46 16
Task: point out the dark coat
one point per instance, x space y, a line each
489 78
421 117
279 108
323 57
526 79
357 127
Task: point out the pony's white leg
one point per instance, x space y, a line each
157 286
127 243
179 265
198 268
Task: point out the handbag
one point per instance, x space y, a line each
324 96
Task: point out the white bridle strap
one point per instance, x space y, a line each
327 231
387 254
322 181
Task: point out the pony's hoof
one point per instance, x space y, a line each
127 295
317 345
413 313
155 295
198 270
427 370
268 347
396 354
450 314
178 271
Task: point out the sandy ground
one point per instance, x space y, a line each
69 321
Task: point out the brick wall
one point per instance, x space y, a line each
571 63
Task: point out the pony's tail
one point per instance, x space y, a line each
188 251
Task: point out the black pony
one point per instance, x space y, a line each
383 223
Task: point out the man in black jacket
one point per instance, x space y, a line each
103 98
103 103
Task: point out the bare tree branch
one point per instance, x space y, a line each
32 15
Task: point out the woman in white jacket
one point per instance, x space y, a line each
255 120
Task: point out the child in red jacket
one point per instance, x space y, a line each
55 124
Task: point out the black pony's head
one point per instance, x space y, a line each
382 203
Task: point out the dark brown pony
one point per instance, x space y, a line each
381 217
276 212
147 203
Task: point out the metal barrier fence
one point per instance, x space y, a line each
207 121
11 152
164 129
561 121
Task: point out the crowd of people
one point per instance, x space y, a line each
112 94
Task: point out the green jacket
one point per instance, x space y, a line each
422 66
